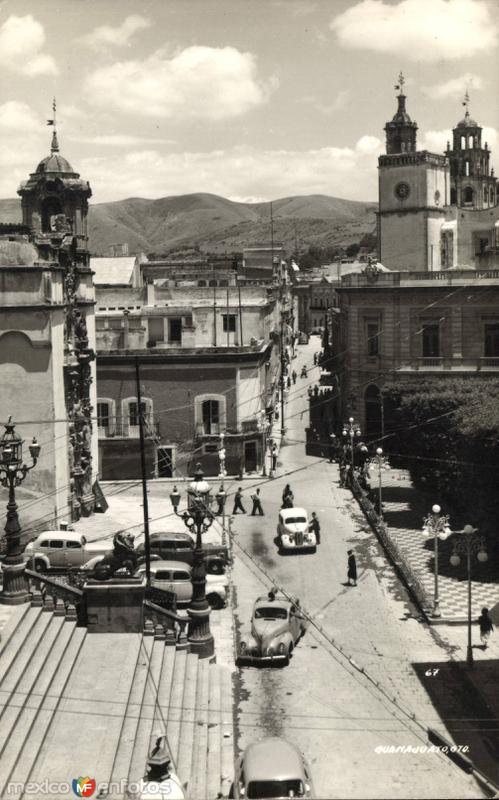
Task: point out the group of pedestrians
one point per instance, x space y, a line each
255 498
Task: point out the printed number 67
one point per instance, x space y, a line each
430 673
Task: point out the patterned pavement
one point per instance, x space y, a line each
404 509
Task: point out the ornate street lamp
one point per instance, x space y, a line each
198 519
262 425
351 430
468 545
382 464
436 525
12 473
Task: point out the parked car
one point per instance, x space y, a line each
293 532
63 550
272 768
180 547
177 577
276 627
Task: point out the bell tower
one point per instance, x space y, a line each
473 184
413 191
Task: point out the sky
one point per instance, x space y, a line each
249 99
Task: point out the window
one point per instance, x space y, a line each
373 334
56 544
103 414
491 340
115 323
431 340
211 416
229 323
188 322
485 194
453 197
72 545
468 196
463 142
467 168
133 412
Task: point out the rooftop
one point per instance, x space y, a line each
450 277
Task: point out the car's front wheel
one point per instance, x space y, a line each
40 565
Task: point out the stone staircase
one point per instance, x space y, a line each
73 703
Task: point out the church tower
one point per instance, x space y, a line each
473 184
413 190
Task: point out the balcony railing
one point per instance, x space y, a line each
125 430
451 363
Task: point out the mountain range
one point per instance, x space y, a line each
217 225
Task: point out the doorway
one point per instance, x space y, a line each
164 459
250 457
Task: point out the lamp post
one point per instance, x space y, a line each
198 519
436 525
12 473
351 430
382 464
221 495
468 545
262 424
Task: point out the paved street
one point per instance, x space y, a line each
321 701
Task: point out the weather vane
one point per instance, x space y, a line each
55 144
400 85
466 101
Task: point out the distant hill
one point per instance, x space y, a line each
216 224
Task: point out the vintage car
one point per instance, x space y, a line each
174 546
177 577
276 626
63 550
272 768
292 530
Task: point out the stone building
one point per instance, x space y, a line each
207 345
47 339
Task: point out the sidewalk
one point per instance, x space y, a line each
404 510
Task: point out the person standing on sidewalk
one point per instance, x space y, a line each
352 569
257 504
273 456
238 505
486 627
314 526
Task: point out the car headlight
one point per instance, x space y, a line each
281 649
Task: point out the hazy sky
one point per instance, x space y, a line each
250 99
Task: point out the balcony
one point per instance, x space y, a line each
122 429
450 364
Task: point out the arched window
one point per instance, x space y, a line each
468 196
130 416
212 282
51 206
106 417
470 141
467 168
485 194
491 196
210 414
463 142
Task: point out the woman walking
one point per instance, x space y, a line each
486 627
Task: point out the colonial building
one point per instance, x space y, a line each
436 211
207 346
47 339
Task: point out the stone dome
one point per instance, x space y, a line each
467 122
54 163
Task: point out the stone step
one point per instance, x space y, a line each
24 692
49 688
10 617
126 741
21 663
214 765
87 724
137 767
227 729
200 744
175 705
164 691
186 734
14 635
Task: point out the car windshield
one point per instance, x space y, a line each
272 789
295 519
270 613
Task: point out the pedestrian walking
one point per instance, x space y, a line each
314 526
238 505
352 569
294 376
287 497
273 456
257 504
486 627
220 498
288 382
315 359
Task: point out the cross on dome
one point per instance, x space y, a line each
400 85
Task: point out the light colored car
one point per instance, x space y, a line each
272 768
175 576
63 550
276 626
292 530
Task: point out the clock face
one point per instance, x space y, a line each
402 190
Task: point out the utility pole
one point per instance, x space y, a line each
147 544
282 379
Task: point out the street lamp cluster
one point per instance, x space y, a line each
351 430
436 525
12 474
